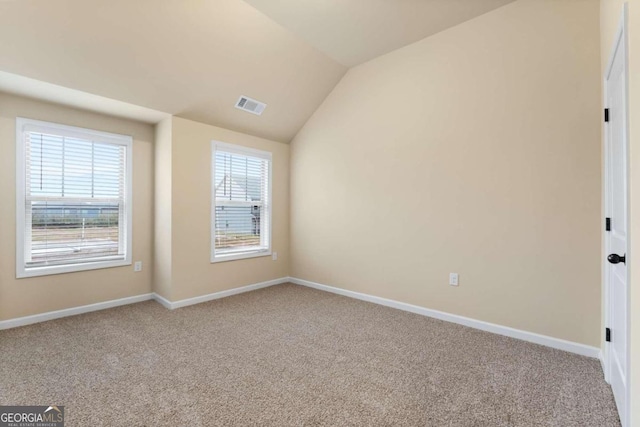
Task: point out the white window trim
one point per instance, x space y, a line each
127 141
244 151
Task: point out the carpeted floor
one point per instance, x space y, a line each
289 355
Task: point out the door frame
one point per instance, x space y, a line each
620 38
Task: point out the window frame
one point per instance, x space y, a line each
22 271
268 204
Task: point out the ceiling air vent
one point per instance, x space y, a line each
251 105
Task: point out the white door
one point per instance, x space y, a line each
616 236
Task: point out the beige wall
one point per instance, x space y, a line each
192 273
474 151
162 224
22 297
609 20
610 12
175 247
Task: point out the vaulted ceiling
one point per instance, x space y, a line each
191 58
355 31
194 58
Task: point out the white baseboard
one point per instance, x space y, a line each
162 300
560 344
43 317
557 343
217 295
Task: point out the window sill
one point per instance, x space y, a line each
240 255
25 272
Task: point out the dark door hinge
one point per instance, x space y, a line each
608 335
607 224
606 114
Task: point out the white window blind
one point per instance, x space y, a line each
242 202
75 203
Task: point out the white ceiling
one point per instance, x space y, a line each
355 31
194 58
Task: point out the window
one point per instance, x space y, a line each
241 211
73 199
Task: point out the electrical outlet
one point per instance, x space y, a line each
137 266
274 256
453 279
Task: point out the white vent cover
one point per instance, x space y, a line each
250 105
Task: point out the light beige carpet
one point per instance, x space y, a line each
289 355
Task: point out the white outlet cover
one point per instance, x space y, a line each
274 256
137 266
453 279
